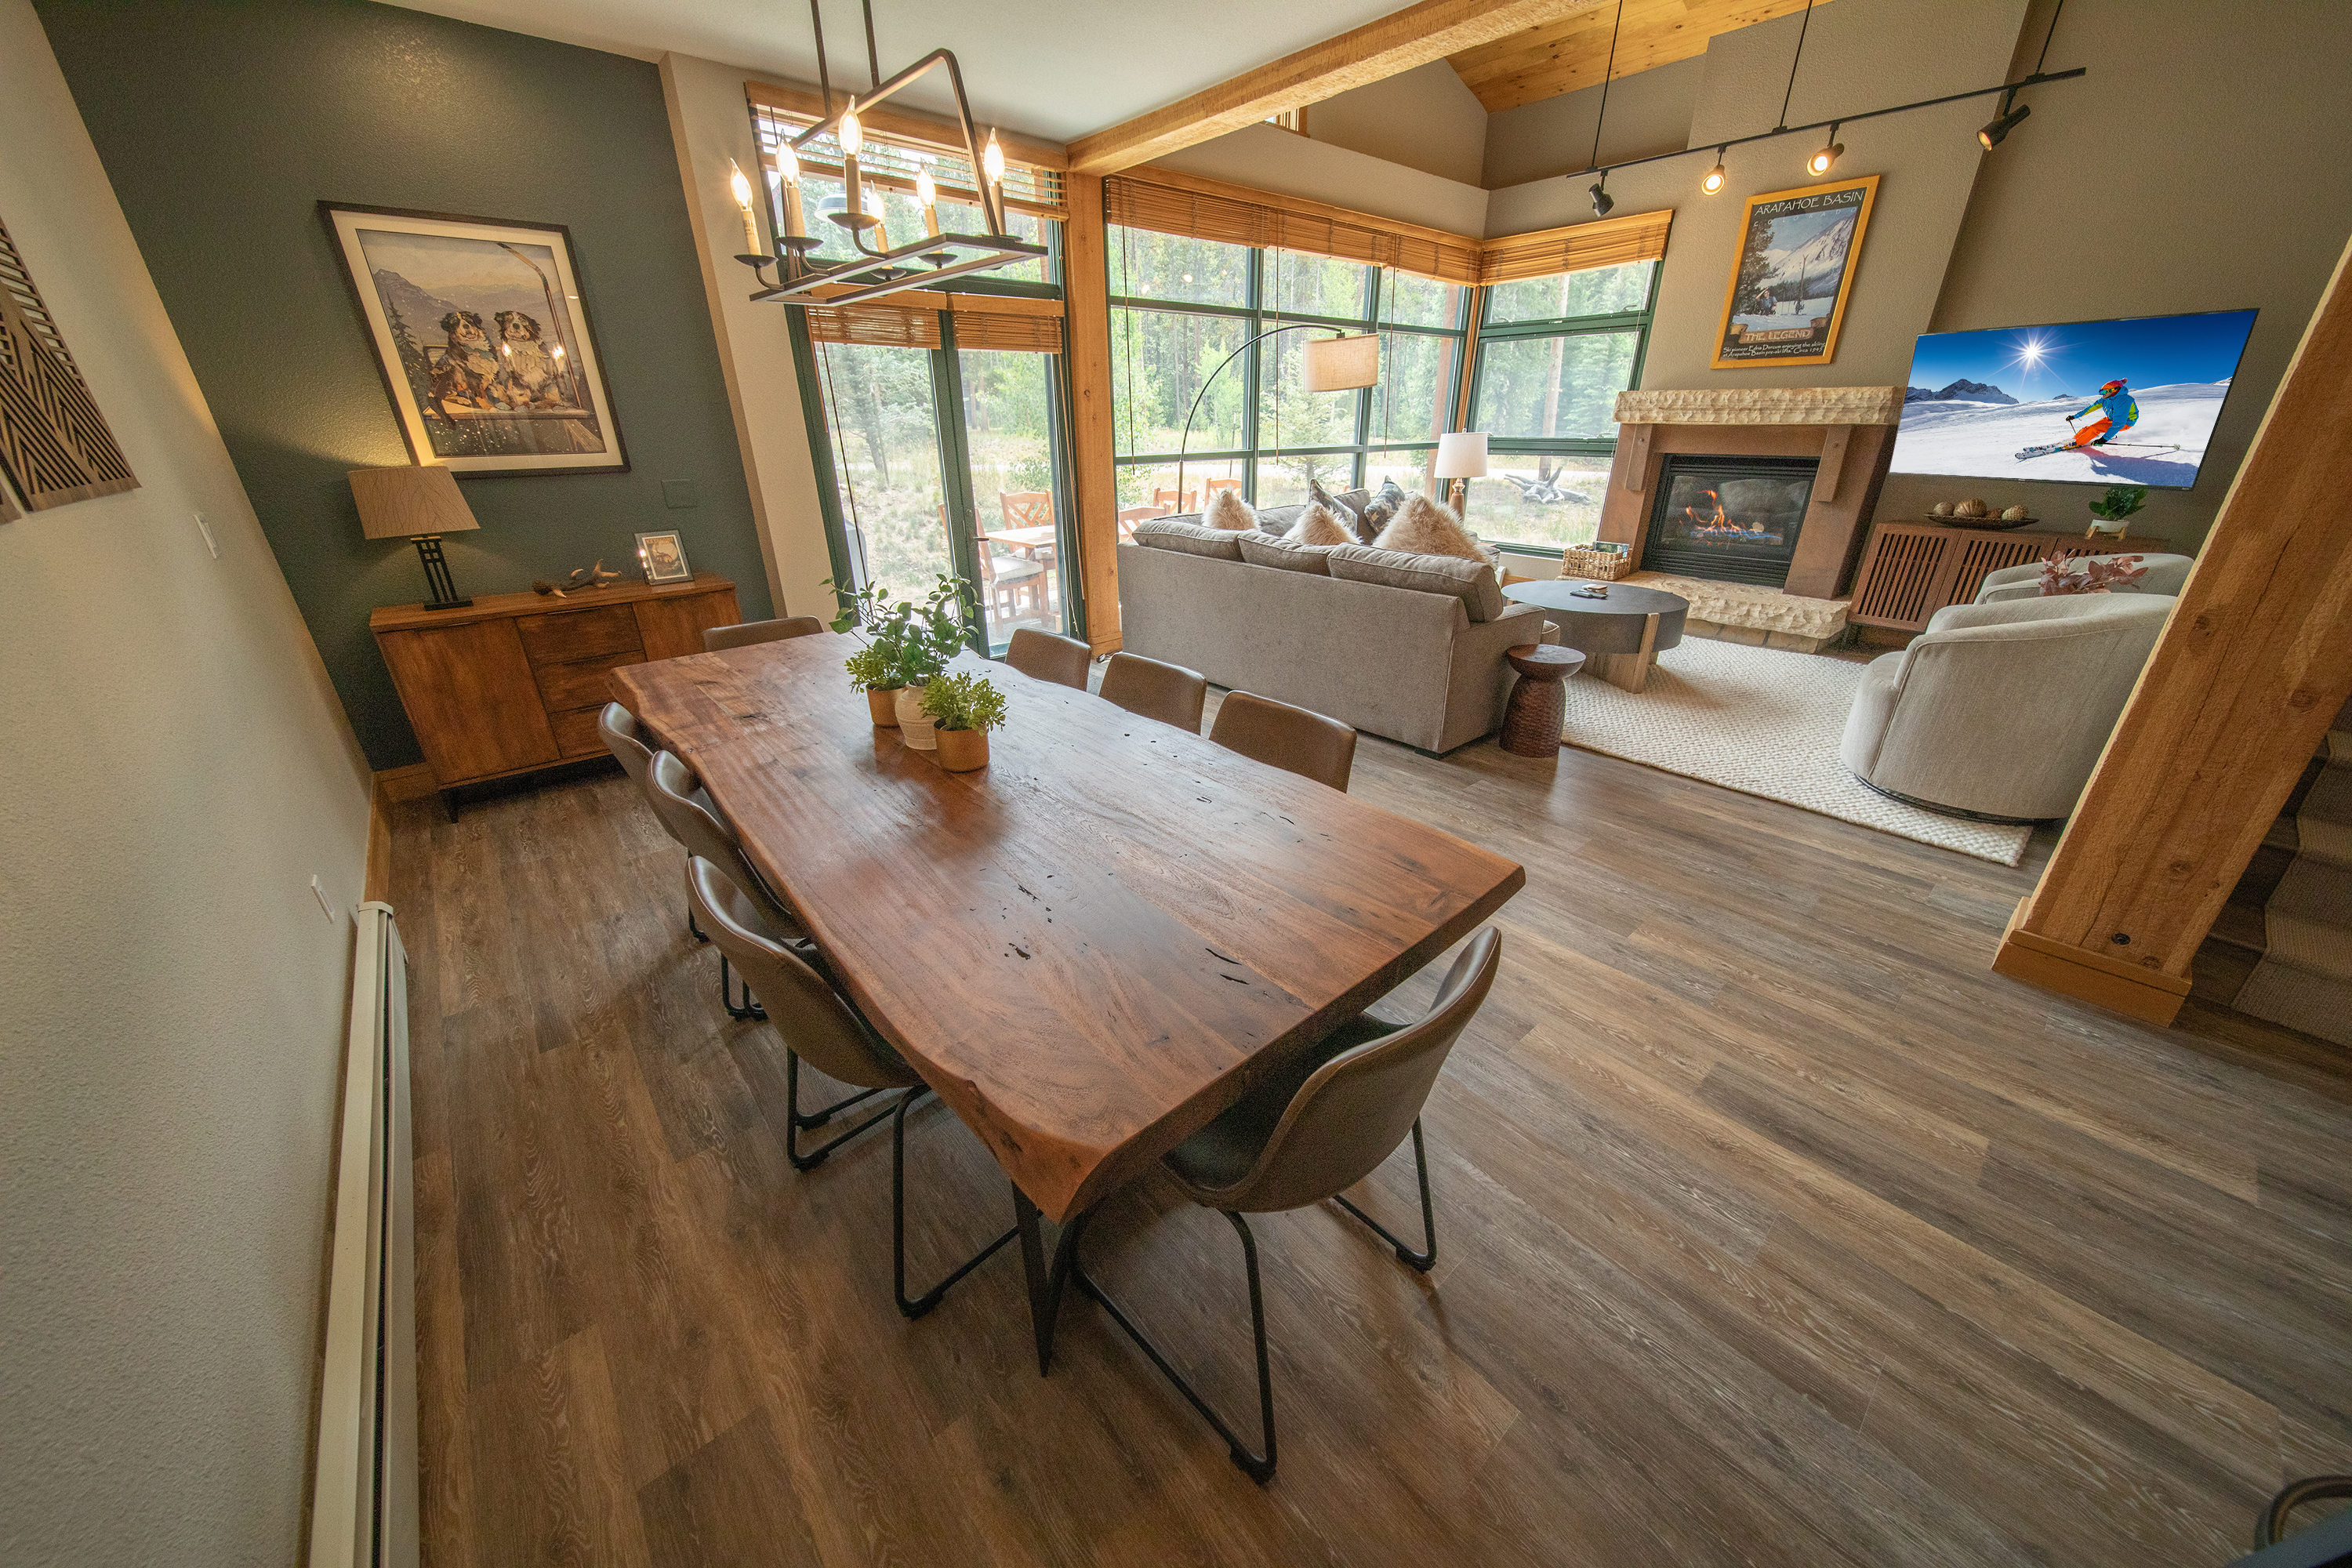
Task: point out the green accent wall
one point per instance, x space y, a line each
223 123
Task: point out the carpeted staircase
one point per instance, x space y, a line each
2293 910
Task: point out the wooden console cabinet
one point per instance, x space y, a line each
1911 569
513 683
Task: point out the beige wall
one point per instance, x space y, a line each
172 998
1424 119
1860 54
1273 159
1649 112
708 126
2200 166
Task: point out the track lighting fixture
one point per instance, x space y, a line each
1819 163
1602 200
1716 177
2003 124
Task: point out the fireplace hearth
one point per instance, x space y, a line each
1729 518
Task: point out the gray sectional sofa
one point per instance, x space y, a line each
1409 646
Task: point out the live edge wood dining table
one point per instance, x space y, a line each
1087 949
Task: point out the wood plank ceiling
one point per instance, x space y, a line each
1573 52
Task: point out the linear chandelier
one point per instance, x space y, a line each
872 273
1820 162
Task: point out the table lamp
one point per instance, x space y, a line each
1462 456
420 505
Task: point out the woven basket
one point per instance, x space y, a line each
1601 565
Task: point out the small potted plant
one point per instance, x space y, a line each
2111 509
874 669
965 707
930 635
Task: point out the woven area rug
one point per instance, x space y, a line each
1764 723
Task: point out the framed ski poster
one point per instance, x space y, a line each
1793 274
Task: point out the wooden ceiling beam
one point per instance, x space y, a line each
1413 36
1573 52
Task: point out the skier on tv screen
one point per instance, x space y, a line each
2115 400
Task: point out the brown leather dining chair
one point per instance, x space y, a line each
831 1034
625 739
752 632
1290 738
1048 657
1168 692
1310 1132
693 820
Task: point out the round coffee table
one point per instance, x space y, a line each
1623 634
1538 705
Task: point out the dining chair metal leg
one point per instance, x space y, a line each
936 1293
751 1008
1258 1467
795 1122
1427 1257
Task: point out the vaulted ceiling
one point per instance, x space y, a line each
1561 56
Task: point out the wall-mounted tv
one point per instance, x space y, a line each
2103 403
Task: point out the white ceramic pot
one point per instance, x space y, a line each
915 726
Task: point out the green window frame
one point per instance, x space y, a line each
1554 465
1253 444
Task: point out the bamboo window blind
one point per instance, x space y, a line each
1608 242
1169 202
912 321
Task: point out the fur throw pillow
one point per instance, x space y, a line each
1422 527
1379 510
1227 510
1344 514
1320 525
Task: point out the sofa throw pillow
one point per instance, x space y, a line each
1374 514
1226 509
1283 555
1340 507
1471 582
1422 527
1319 525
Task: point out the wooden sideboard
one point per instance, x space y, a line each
1911 569
514 682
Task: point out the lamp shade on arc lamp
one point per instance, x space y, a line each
1343 364
419 504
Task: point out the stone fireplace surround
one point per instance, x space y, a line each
1851 429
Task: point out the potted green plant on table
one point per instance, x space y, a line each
2111 509
908 643
965 707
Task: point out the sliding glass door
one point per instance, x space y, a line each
883 413
1010 432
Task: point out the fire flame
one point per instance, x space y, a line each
1719 523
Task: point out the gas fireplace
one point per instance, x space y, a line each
1732 520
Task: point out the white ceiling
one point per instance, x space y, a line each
1056 68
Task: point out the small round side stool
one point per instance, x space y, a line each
1538 705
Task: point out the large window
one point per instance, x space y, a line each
1553 355
1181 308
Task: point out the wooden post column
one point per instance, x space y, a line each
1085 291
2255 662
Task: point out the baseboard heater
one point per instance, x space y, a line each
363 1498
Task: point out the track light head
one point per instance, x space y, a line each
1990 136
1715 178
1819 163
1602 200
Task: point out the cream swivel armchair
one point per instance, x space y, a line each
1999 712
2166 573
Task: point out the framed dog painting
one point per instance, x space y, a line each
483 339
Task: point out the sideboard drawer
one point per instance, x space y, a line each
567 635
581 683
576 734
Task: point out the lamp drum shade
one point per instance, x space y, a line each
1343 364
410 502
1462 456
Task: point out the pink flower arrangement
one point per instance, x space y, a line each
2096 576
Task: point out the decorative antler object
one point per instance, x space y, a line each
586 577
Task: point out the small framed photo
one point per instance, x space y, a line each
663 558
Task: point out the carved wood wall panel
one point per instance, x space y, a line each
54 443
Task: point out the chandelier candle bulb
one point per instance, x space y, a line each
991 160
742 190
928 195
788 175
851 133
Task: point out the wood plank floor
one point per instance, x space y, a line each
1775 1229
